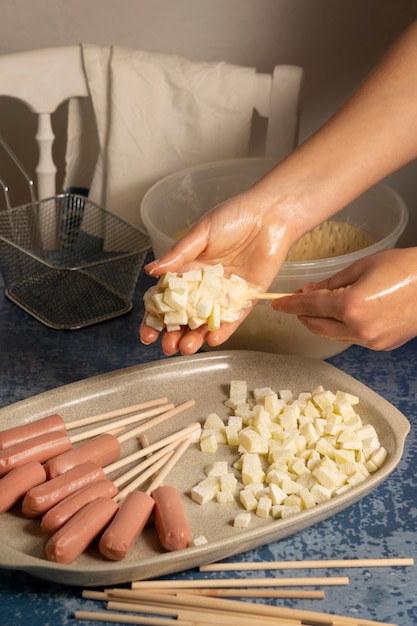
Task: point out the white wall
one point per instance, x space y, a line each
336 41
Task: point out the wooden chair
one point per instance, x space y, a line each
45 78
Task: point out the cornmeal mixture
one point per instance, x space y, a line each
328 240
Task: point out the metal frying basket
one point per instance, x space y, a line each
67 261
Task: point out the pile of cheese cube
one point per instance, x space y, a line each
293 452
197 297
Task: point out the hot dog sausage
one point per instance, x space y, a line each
170 518
126 526
18 481
40 499
76 535
48 424
59 514
102 450
39 449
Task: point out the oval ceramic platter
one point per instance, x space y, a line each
205 378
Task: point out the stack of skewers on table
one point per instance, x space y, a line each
73 484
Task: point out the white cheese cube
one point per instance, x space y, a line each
252 471
204 307
242 520
225 497
204 491
252 442
324 399
328 477
286 395
177 300
282 511
379 456
276 494
238 391
228 482
208 442
320 493
232 435
214 319
153 321
160 304
264 507
345 396
273 405
248 500
217 468
213 421
178 318
201 540
195 322
194 275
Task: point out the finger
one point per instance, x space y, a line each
318 303
326 327
183 252
147 334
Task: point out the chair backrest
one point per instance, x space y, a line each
45 78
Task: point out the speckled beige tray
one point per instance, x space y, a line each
206 378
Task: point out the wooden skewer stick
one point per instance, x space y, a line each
118 618
132 419
268 295
200 617
243 609
163 473
93 419
162 466
310 594
163 445
235 582
139 454
227 567
148 462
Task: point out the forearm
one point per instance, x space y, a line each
372 135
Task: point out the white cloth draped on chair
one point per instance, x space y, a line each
151 114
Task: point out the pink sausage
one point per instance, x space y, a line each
64 510
40 499
126 526
76 535
103 450
18 481
171 519
12 436
40 448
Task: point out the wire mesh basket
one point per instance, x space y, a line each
69 262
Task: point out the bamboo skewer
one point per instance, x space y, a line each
269 295
219 592
143 452
209 617
235 582
162 467
132 419
101 417
117 618
227 567
242 609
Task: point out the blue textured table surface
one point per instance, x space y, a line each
34 359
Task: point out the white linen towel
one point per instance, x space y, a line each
151 114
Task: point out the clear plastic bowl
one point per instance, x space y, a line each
178 200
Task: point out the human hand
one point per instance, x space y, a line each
371 303
245 239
